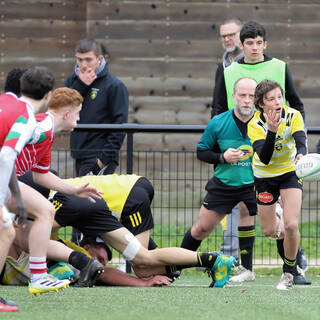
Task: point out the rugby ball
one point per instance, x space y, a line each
308 167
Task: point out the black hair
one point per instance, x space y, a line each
36 82
93 242
252 30
12 83
86 45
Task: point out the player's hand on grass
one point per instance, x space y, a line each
232 155
86 191
158 281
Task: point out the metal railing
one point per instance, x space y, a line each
179 181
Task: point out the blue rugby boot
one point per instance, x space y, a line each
221 270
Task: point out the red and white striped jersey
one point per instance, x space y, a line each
36 156
17 122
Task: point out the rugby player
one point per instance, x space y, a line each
123 220
16 270
18 126
278 138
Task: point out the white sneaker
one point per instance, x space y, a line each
286 282
47 283
242 275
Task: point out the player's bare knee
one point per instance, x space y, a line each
291 228
49 212
269 231
199 232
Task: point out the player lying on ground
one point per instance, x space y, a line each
128 198
16 269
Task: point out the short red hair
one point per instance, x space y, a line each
64 97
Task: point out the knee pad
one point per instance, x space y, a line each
131 250
8 217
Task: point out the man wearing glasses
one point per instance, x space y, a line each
229 35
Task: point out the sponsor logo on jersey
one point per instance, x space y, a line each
265 197
247 151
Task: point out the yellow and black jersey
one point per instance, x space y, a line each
16 271
68 243
284 153
115 188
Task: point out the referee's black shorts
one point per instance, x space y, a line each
222 198
136 214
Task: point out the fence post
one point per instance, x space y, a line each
129 171
129 152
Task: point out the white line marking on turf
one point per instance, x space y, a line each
245 286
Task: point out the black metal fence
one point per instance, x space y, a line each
179 180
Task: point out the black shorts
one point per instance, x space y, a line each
268 189
92 219
222 198
136 214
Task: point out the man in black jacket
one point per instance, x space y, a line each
106 100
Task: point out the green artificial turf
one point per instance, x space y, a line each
188 298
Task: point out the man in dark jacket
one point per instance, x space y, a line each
106 100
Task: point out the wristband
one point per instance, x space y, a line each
221 158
